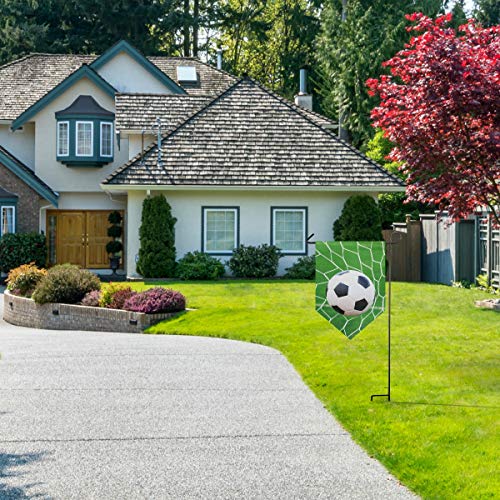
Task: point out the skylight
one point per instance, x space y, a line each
186 74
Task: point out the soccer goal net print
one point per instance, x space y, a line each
350 283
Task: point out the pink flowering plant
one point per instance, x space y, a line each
156 300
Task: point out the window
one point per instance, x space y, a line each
84 139
7 220
220 229
289 226
63 139
106 139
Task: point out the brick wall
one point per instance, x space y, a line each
24 312
28 202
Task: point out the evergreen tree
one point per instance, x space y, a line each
270 40
352 50
359 220
487 12
157 236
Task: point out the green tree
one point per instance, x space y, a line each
487 12
359 221
352 50
393 206
270 40
157 236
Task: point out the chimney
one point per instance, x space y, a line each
303 99
219 58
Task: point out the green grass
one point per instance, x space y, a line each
439 436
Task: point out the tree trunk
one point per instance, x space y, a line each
196 25
343 134
186 34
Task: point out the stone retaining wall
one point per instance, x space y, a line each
24 312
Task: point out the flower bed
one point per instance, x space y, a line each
22 311
69 298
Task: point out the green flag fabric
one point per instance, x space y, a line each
350 283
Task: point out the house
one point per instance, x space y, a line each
81 136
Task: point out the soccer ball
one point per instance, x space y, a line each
350 293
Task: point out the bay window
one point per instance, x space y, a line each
84 138
62 138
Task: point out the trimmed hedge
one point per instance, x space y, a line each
199 266
17 249
255 262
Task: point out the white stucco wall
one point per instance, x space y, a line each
135 143
255 217
127 75
58 176
20 143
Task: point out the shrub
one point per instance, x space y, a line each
359 221
17 249
67 284
303 269
156 300
92 298
157 250
120 297
114 247
108 291
199 266
22 280
255 262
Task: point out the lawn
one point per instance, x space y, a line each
439 435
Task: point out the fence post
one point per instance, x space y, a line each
489 250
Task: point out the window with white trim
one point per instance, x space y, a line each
7 220
106 139
289 229
84 139
220 229
62 138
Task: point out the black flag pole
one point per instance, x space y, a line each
389 244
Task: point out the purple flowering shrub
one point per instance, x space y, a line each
156 300
92 298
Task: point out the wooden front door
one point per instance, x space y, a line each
78 237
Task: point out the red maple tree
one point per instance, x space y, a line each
441 107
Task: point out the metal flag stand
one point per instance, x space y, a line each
392 241
389 300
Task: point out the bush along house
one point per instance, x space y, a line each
85 136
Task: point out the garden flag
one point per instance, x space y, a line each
350 283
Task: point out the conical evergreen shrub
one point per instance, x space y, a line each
360 220
157 236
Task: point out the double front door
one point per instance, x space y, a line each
78 237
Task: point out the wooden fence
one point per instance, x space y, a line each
405 250
436 250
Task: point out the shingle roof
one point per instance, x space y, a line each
28 174
139 111
211 81
25 81
249 136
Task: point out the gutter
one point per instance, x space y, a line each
214 187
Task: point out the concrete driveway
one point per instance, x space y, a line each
110 415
